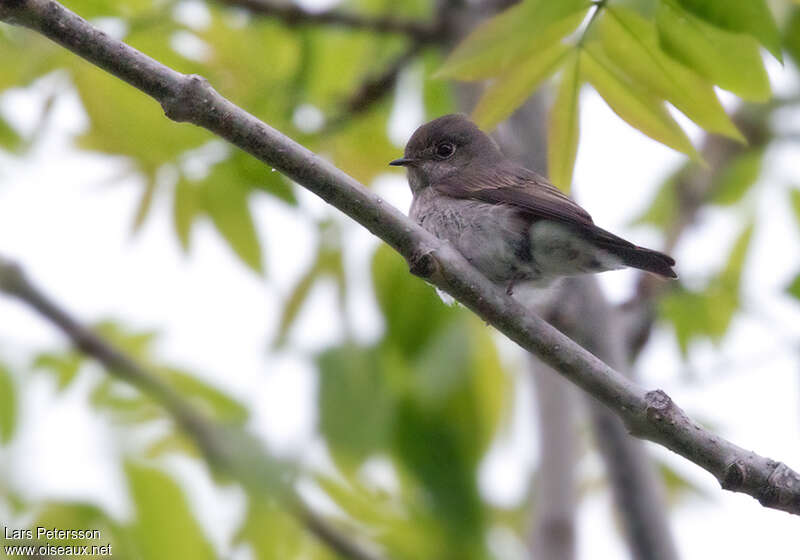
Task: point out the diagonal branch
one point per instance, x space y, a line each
230 451
294 15
189 98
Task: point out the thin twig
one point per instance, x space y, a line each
650 415
294 15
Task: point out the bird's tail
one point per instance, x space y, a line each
632 255
645 259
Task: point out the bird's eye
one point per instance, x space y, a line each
445 150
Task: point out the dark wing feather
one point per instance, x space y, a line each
535 197
514 185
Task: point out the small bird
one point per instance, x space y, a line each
509 222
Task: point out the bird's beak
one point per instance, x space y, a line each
403 161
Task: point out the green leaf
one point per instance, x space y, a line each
437 95
793 289
227 206
395 288
514 86
791 36
632 43
328 263
730 60
355 403
164 527
745 16
272 533
8 405
9 137
145 203
65 365
531 25
562 130
663 210
76 515
637 107
125 121
794 200
208 399
709 313
186 206
427 442
733 181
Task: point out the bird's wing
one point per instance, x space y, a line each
535 197
519 187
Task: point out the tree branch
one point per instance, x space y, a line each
294 15
226 449
552 534
647 414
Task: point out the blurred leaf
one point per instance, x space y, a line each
10 139
793 289
125 404
749 16
361 146
562 130
426 442
531 25
632 43
356 408
271 532
437 95
411 308
639 108
125 121
663 210
731 61
677 486
172 442
186 207
145 203
65 365
733 181
136 343
794 199
328 263
513 87
791 36
708 313
208 399
8 405
732 273
255 174
76 515
226 204
164 527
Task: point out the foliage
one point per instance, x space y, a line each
635 57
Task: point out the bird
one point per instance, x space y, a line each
511 223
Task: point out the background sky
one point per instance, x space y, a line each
66 217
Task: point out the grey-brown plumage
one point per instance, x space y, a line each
510 222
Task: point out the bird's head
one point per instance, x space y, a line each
443 147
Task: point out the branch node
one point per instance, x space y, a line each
782 490
658 405
734 476
422 263
189 99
